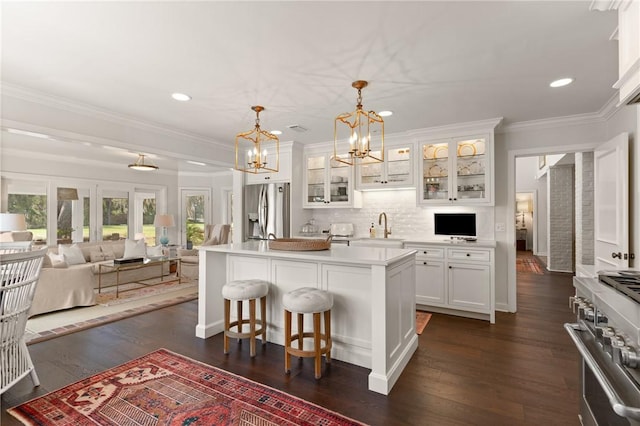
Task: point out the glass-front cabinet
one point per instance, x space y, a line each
328 183
395 172
456 171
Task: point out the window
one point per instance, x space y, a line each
30 199
115 215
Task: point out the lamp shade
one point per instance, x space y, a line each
523 206
165 220
67 194
12 222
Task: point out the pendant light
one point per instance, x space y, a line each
141 165
358 135
257 151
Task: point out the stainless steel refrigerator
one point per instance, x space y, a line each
267 211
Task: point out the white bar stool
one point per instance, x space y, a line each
308 300
240 291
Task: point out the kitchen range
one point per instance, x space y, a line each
607 335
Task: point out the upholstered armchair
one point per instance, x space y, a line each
213 235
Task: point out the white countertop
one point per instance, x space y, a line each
337 254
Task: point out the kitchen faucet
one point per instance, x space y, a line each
386 231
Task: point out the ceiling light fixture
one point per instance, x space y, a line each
276 132
141 165
180 97
561 82
354 129
385 113
197 163
252 148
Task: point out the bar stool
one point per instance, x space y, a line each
307 300
239 291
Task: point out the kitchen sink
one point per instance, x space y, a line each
378 242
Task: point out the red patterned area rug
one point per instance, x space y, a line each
165 388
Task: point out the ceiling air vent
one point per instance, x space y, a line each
297 128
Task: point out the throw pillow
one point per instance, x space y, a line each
96 256
57 260
108 254
72 254
154 251
46 261
134 248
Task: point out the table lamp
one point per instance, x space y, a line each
165 221
12 222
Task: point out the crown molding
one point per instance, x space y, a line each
30 95
608 110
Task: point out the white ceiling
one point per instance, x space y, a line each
431 63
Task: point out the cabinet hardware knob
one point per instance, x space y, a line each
616 255
450 267
468 254
450 199
455 199
425 252
424 263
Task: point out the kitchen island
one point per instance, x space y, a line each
373 316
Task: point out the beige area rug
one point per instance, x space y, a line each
54 324
135 291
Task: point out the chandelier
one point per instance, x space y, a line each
141 165
257 151
360 134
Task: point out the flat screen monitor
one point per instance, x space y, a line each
455 224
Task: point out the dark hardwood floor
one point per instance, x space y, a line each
521 370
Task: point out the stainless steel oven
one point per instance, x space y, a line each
606 334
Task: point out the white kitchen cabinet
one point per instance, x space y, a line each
456 171
328 183
282 175
396 171
458 281
628 51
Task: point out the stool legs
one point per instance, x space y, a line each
253 322
327 331
318 339
252 327
287 341
316 344
227 324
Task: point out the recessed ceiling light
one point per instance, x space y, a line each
197 163
276 132
181 97
561 82
385 113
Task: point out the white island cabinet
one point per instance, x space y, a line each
373 316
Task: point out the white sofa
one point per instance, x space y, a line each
63 286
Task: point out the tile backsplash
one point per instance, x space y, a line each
405 218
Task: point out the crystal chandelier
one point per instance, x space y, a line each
257 151
360 134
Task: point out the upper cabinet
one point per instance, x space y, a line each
282 175
456 171
395 172
628 51
328 183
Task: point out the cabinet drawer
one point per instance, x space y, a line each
476 255
427 252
